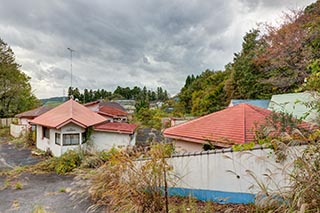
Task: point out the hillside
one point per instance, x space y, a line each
54 101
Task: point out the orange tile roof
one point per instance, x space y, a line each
116 127
233 125
34 112
69 112
111 111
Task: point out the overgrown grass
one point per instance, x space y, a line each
4 132
303 191
126 185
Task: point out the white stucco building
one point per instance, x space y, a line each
67 126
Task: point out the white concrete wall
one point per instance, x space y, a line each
228 172
107 140
18 130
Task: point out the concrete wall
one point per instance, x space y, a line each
18 130
106 140
225 177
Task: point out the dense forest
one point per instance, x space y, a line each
283 59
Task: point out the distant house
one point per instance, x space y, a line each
233 125
24 118
66 127
113 114
23 125
255 102
112 111
128 105
297 104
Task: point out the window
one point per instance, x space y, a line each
71 139
45 132
57 140
84 137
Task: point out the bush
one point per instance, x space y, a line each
61 165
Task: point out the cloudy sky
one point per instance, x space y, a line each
128 42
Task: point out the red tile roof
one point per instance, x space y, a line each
34 112
111 111
69 112
233 125
116 127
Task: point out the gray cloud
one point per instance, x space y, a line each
127 43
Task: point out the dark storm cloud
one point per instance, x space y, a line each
124 42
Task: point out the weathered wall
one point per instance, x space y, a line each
18 130
224 176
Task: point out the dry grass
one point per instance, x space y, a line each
303 192
126 185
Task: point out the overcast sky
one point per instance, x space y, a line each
128 42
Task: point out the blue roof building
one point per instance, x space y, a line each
256 102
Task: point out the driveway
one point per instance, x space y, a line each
46 191
29 192
12 156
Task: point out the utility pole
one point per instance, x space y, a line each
71 52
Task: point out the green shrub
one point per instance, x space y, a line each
61 165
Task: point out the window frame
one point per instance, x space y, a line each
45 132
57 142
70 135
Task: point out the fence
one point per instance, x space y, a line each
5 122
230 177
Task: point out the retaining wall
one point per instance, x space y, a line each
230 177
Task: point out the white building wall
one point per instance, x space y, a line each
107 140
49 144
93 107
42 143
24 121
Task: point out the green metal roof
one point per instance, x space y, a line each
297 104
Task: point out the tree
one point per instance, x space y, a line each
15 90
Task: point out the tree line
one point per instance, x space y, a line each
120 93
284 59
